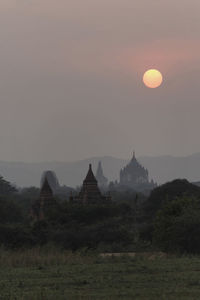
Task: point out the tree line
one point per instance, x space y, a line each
167 220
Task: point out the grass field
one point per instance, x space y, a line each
52 274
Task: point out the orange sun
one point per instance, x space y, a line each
152 78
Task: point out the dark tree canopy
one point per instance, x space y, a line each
177 226
5 187
168 192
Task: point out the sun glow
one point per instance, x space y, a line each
152 78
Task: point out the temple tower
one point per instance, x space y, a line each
46 201
134 174
52 180
90 192
102 180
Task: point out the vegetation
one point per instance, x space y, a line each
168 192
73 227
64 255
162 198
177 226
168 220
49 273
6 188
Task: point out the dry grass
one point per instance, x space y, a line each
48 273
41 256
149 255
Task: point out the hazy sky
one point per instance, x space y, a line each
71 78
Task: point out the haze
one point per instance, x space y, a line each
71 78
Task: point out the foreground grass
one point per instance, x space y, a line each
51 274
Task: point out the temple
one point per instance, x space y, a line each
135 176
52 180
45 201
102 180
90 192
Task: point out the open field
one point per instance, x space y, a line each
50 274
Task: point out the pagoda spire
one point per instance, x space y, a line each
90 176
90 192
46 188
44 202
102 180
99 172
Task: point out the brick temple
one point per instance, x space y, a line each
45 202
90 192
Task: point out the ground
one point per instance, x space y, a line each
36 275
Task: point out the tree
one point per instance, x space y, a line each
6 188
10 211
177 226
168 192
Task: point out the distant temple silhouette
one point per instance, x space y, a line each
90 192
46 201
101 179
134 176
52 180
134 173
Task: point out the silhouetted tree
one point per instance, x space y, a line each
6 188
177 226
168 192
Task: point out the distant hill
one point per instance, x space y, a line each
161 169
167 168
68 173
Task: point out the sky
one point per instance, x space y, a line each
71 78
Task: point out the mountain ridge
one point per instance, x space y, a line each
161 168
